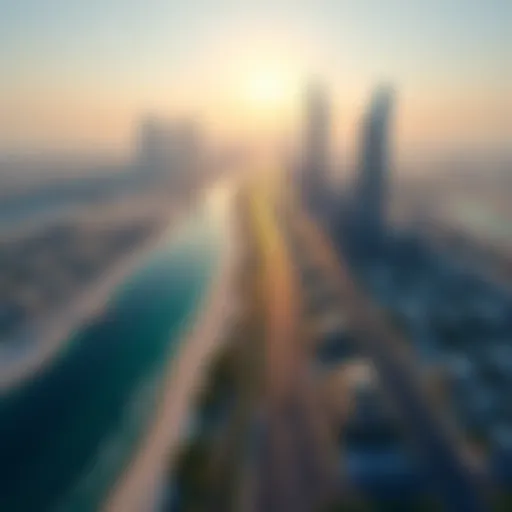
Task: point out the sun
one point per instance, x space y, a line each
268 89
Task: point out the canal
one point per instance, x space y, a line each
68 432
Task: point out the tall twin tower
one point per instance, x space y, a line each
367 201
315 166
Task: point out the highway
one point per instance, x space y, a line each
294 470
451 477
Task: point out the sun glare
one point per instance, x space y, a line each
268 89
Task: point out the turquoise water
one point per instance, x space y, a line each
66 435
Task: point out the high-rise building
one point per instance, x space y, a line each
169 150
152 146
371 185
316 142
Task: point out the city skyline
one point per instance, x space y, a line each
241 271
76 76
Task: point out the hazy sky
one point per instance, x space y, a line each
76 74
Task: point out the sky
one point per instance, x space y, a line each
77 75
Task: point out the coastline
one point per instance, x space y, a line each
38 344
141 484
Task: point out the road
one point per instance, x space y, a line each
452 478
294 471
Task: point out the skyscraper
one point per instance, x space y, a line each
152 146
371 186
169 150
315 154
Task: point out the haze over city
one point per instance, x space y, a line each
255 256
77 76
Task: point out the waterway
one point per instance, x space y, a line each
67 433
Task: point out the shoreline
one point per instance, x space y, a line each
143 480
38 344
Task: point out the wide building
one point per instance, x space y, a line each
169 150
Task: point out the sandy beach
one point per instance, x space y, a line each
140 487
28 353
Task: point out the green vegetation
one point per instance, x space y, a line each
221 384
502 501
419 504
196 477
209 470
346 505
200 469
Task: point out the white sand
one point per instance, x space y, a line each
140 487
31 351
